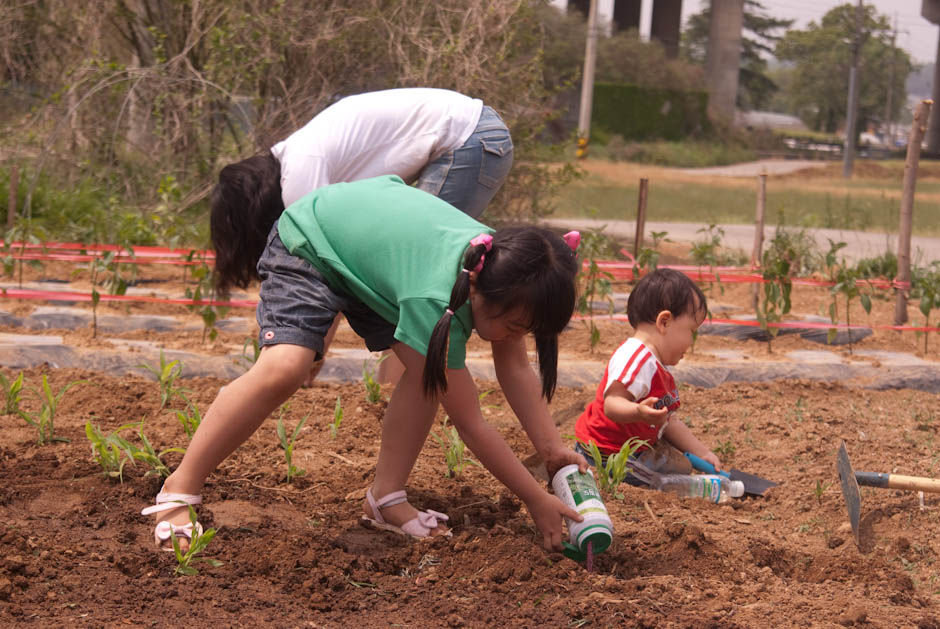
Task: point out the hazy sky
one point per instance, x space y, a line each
915 34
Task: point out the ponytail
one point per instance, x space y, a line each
434 378
246 202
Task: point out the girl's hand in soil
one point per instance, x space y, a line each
559 456
547 511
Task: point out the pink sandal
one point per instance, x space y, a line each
165 530
419 527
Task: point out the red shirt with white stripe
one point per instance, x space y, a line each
638 369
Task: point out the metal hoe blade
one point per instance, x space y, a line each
853 500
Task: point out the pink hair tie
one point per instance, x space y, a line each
573 238
487 241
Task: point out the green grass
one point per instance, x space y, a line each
683 201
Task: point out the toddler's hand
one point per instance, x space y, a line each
711 458
651 415
547 512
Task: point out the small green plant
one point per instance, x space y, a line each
115 282
337 417
112 451
185 561
612 472
647 259
288 444
151 457
373 388
189 419
725 448
775 270
706 252
845 282
820 490
44 420
594 283
166 374
203 297
12 393
926 287
248 360
454 450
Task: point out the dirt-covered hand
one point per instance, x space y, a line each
560 456
547 512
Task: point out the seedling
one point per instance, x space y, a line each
373 388
595 284
705 252
617 466
198 544
926 286
647 259
210 312
337 417
820 489
166 374
12 393
190 419
288 444
44 420
454 450
845 282
111 452
775 270
153 458
725 448
250 360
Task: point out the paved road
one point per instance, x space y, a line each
752 169
858 244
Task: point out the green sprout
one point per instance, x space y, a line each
166 374
44 420
616 468
197 545
190 419
454 450
337 417
373 388
151 457
820 489
110 451
12 393
288 444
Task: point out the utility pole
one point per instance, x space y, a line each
587 82
851 115
889 109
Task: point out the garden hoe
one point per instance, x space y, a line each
851 480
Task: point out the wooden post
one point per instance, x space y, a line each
756 254
902 282
640 217
11 209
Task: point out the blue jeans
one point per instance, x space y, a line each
469 177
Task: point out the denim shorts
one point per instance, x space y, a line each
297 305
469 176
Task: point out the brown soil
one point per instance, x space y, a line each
76 552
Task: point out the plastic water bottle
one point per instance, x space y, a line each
595 532
712 487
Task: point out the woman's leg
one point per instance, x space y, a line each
237 412
405 428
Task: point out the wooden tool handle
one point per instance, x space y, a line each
897 481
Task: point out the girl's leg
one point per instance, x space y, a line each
237 412
405 428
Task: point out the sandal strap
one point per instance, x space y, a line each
389 500
167 501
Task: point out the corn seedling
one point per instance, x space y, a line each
166 374
616 467
595 284
454 450
373 388
112 452
820 489
337 417
12 393
288 445
248 360
185 561
153 458
44 420
190 419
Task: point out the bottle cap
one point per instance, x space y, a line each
600 539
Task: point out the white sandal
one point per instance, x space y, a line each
419 527
164 530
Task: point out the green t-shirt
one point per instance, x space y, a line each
396 248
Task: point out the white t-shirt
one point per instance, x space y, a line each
393 132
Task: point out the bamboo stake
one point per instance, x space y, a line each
902 283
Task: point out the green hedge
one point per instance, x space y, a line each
643 113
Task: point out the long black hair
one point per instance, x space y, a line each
245 204
529 267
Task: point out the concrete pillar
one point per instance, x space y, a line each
666 25
627 14
723 57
